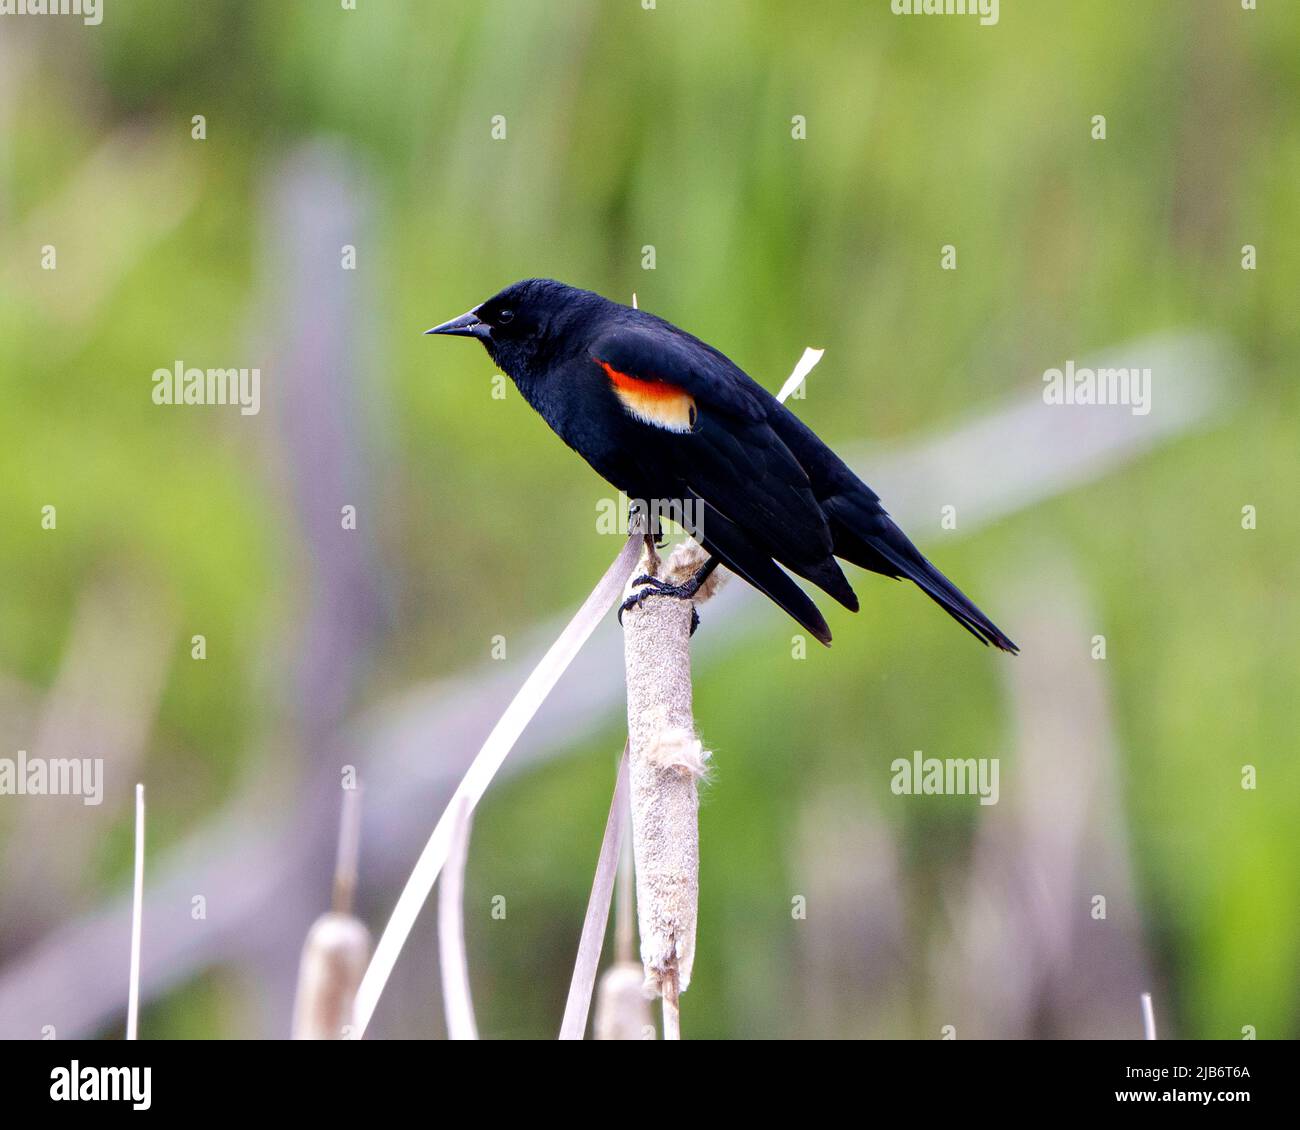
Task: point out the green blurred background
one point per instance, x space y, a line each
628 128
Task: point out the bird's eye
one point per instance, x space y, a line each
505 317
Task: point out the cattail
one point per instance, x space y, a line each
665 761
1148 1018
622 1004
137 921
333 960
479 775
337 948
453 959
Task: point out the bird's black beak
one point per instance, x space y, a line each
467 325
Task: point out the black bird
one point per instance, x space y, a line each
668 419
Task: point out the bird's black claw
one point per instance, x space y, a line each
647 585
637 598
631 602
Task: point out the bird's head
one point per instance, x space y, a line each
527 323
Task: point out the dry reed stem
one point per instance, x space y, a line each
625 899
348 855
672 1007
453 958
578 1004
1148 1018
622 1006
474 784
337 946
137 921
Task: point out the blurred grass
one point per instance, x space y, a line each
671 128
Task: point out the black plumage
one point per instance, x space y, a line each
666 418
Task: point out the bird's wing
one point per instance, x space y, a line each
658 354
707 425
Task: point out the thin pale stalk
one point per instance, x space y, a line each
137 921
578 1005
803 367
453 960
337 946
349 851
625 897
672 1010
484 767
1148 1018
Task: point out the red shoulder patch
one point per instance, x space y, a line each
654 402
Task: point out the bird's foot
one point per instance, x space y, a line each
648 586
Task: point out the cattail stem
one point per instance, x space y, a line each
1148 1018
453 958
672 1008
583 981
137 921
624 894
665 759
337 945
479 775
349 852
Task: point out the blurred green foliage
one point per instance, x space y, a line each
671 127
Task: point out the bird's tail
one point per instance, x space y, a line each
768 577
884 548
739 554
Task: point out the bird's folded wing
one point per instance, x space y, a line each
730 456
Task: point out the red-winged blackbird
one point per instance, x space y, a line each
667 419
